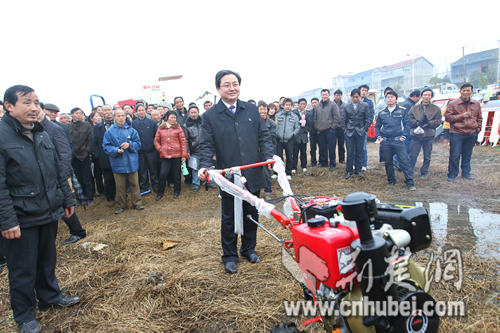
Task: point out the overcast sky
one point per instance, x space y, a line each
68 50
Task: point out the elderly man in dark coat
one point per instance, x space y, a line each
34 194
234 132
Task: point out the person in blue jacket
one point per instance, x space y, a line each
122 143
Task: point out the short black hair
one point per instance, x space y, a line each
387 89
206 102
466 85
252 101
363 86
356 91
315 98
338 91
124 105
415 93
73 110
302 100
42 106
178 97
221 74
262 103
282 98
428 89
287 100
328 91
12 94
392 92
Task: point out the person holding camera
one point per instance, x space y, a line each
122 143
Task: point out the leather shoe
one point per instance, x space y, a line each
332 168
360 174
158 197
65 302
176 195
111 203
450 179
30 327
73 239
231 267
253 258
348 175
391 184
468 177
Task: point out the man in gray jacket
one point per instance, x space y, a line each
287 127
356 121
326 120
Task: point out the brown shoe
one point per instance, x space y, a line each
111 203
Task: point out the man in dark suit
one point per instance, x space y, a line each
233 131
355 121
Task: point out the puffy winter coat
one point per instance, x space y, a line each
128 161
287 125
193 130
171 142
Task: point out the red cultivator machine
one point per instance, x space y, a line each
354 256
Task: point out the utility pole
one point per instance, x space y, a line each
463 61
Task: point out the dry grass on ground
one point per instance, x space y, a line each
133 285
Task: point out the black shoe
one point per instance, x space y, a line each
139 207
158 197
348 175
196 188
360 174
73 239
391 184
332 168
311 165
253 258
90 203
65 302
231 267
423 176
102 196
212 185
30 327
343 162
450 179
468 177
176 195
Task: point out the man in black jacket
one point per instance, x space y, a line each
393 126
64 153
182 116
148 156
34 194
355 121
97 138
339 132
233 131
81 134
313 132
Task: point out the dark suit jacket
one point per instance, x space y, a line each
236 140
356 120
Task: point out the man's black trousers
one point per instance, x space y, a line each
229 239
83 173
148 168
31 260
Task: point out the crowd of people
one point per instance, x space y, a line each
141 148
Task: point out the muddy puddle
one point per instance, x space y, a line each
469 229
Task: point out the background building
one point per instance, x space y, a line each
477 64
403 76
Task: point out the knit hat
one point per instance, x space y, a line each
392 92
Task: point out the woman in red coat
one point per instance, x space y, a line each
170 142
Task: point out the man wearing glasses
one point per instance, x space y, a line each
235 133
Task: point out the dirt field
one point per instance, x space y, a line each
133 285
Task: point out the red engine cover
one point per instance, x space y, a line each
324 253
